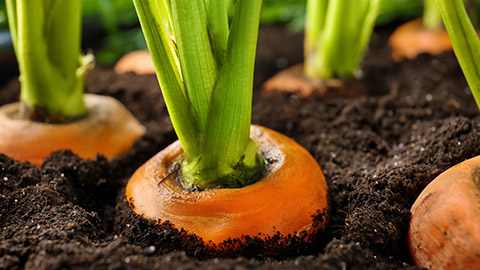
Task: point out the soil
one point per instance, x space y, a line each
377 151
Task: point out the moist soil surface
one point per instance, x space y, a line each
377 151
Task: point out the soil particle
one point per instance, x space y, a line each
377 151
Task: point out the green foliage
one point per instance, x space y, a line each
464 40
3 16
119 20
337 34
204 64
391 10
46 39
290 12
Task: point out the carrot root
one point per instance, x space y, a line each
445 226
412 39
109 129
284 201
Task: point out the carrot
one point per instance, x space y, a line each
283 201
46 39
333 48
108 129
215 181
138 62
445 226
412 38
293 80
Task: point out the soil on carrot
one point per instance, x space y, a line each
377 151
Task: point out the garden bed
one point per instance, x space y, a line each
377 151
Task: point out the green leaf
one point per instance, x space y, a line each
197 61
155 20
464 40
231 108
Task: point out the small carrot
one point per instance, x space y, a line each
283 201
445 226
46 39
425 35
412 38
334 47
108 128
138 62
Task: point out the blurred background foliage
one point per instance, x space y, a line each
3 16
111 26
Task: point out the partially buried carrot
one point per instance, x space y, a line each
108 128
445 226
412 38
425 35
334 47
223 178
53 113
285 200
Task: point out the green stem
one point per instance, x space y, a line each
464 40
156 24
197 62
334 45
205 70
431 15
46 37
229 156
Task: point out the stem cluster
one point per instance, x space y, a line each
46 38
205 67
336 36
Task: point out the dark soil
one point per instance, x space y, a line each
377 151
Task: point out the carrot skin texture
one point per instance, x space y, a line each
445 226
283 201
109 129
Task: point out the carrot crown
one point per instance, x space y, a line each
205 65
464 40
337 33
46 39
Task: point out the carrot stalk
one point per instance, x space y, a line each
51 67
431 16
335 45
205 69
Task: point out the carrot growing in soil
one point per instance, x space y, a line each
445 225
53 113
337 34
224 178
425 35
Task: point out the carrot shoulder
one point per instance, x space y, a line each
445 226
283 201
412 39
138 62
108 129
